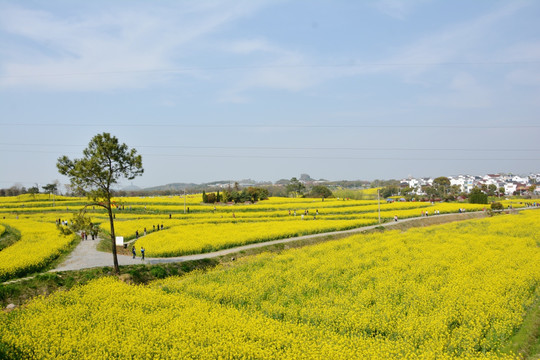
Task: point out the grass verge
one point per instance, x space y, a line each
526 341
22 291
9 237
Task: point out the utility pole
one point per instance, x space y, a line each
379 202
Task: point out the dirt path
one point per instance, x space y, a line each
86 255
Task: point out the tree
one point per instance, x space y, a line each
50 189
105 161
484 188
256 193
389 190
34 190
295 187
477 196
440 187
204 197
210 198
407 190
441 181
497 206
320 191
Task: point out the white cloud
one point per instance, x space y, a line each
398 9
250 46
530 77
522 52
460 43
108 50
413 63
464 91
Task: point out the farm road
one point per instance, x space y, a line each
86 255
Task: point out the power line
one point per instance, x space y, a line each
288 157
291 66
292 148
293 126
342 157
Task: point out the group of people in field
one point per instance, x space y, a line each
435 212
306 213
134 252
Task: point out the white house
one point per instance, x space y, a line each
520 179
510 187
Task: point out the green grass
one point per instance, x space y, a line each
9 237
526 341
22 291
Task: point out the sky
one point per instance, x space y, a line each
266 90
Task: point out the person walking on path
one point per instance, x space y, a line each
142 253
133 251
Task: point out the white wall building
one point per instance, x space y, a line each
510 187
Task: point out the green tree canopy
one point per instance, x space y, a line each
50 189
441 181
477 196
105 161
320 191
33 190
295 187
388 191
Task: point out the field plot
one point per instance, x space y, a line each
39 244
190 239
455 291
190 226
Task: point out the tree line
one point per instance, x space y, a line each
442 190
234 194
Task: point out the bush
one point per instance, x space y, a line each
497 206
320 191
158 272
211 198
478 197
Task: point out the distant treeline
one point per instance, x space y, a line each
275 190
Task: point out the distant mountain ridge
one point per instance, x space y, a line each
219 184
173 186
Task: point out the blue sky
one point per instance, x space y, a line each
212 90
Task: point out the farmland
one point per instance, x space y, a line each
459 290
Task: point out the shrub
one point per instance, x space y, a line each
158 272
478 197
497 206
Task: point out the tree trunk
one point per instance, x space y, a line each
113 239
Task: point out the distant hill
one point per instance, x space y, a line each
179 187
174 187
131 188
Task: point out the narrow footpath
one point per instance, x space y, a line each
86 255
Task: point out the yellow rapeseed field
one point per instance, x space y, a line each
455 291
40 242
190 239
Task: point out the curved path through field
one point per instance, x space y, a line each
86 255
